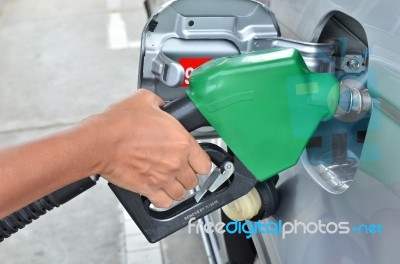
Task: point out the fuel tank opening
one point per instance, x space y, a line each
333 155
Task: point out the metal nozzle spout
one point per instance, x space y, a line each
260 203
353 103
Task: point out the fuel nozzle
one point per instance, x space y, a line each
354 102
260 203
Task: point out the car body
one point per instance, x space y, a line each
373 196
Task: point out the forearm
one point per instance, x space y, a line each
33 170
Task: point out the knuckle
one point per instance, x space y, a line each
163 180
207 166
183 139
182 195
149 96
157 180
143 92
144 95
178 195
151 181
183 147
189 180
175 163
146 188
194 181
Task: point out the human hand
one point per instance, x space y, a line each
146 150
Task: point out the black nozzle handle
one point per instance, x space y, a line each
156 225
186 112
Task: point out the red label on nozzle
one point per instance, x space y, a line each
189 64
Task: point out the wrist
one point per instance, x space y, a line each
88 147
98 139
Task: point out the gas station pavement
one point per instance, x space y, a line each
61 61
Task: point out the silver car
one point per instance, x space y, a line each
363 189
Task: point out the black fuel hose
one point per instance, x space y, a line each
19 219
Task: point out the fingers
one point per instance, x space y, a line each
198 158
175 190
188 179
161 199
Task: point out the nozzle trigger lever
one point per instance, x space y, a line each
215 180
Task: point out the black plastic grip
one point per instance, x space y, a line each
155 225
186 112
19 219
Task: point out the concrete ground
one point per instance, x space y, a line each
61 61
